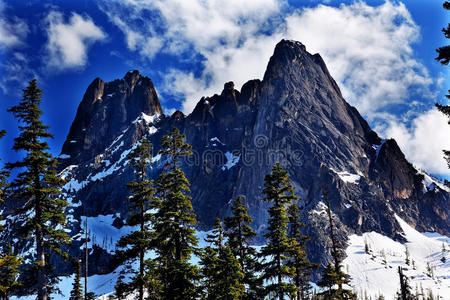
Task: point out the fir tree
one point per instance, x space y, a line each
333 274
9 271
37 187
405 289
142 200
444 58
223 277
299 261
239 233
174 222
77 291
9 262
121 288
279 192
407 260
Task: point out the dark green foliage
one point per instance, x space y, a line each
3 181
121 288
444 58
9 271
221 270
37 187
239 233
444 52
175 239
405 289
77 291
299 262
333 274
142 200
279 192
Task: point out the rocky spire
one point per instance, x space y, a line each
106 110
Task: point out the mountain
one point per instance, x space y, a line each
296 115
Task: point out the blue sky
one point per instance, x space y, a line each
381 53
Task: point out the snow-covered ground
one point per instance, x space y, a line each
376 273
370 274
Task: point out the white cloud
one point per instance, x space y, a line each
368 51
68 43
13 30
424 141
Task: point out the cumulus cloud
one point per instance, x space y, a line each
13 30
368 51
424 140
68 42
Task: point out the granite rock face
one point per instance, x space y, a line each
296 115
107 109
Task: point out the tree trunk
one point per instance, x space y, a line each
280 291
42 284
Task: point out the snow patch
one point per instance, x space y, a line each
348 177
430 183
232 160
376 272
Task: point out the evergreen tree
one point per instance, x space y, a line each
142 200
77 291
9 262
299 261
36 188
175 239
9 271
223 277
121 288
333 274
239 233
279 192
405 289
444 58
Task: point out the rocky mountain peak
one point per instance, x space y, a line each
296 116
106 110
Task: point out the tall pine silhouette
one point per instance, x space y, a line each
175 239
223 277
299 262
239 233
36 189
444 58
142 200
333 274
77 292
279 192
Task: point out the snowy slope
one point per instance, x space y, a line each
371 275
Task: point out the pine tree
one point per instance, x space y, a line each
142 200
407 260
239 233
9 271
444 58
299 261
174 223
37 187
333 274
405 289
279 192
9 262
121 288
77 291
223 277
3 181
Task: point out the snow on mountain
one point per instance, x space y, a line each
375 273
